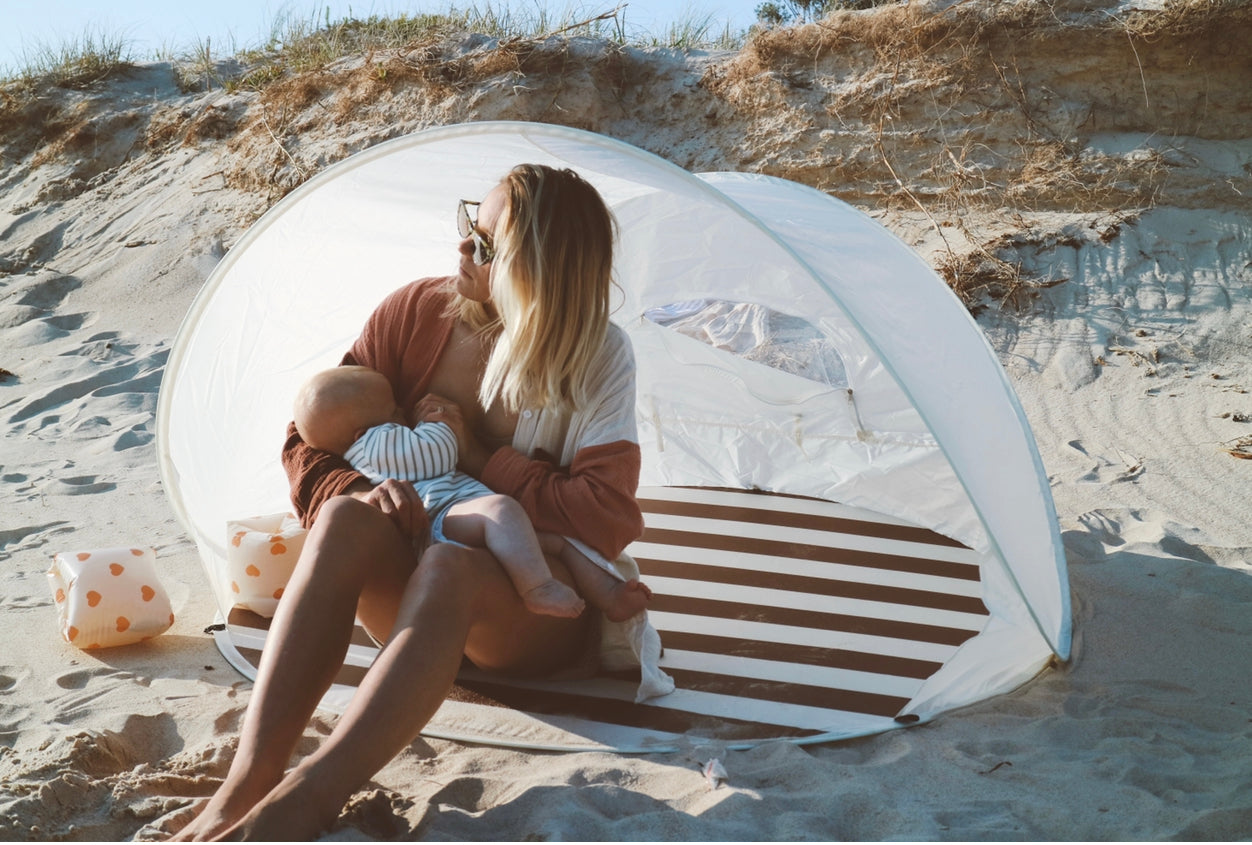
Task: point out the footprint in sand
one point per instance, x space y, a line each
68 392
28 537
41 248
138 435
1103 470
117 372
38 329
45 290
78 678
379 813
84 485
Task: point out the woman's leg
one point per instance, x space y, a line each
350 555
459 601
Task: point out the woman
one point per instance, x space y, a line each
515 349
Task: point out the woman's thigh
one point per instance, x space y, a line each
506 637
355 543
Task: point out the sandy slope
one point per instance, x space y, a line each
1134 372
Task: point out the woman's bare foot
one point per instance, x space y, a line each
219 813
207 825
297 810
552 598
625 599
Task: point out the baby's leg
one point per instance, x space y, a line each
499 524
618 600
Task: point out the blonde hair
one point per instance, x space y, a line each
550 286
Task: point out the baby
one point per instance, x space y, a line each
352 412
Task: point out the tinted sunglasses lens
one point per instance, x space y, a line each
463 224
481 253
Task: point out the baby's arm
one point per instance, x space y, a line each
431 448
393 450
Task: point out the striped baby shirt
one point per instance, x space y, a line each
425 455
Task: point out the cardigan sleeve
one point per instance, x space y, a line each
315 476
592 497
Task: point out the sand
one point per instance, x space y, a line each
1134 372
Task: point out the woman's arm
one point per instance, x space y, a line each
315 476
593 499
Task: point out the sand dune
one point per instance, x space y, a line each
1124 319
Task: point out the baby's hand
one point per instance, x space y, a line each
434 408
471 456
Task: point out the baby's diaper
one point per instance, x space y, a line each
108 597
261 554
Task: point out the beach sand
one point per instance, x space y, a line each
1134 369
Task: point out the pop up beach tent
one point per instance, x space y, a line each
848 524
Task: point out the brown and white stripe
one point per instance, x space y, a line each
780 616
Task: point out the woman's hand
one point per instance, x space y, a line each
471 454
399 502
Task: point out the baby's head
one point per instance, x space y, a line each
336 406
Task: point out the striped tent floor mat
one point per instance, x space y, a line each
781 618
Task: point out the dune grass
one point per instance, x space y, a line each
74 62
299 43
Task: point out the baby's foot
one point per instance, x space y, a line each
626 599
552 598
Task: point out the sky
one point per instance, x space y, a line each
151 27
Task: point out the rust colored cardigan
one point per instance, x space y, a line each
591 499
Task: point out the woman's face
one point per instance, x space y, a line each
473 280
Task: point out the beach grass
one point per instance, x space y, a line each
74 62
300 42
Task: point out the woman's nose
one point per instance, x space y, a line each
466 246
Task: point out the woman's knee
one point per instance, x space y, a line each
352 538
447 566
344 520
341 511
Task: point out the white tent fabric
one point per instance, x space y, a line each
926 428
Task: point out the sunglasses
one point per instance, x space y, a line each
484 252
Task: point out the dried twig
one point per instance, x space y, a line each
286 152
604 16
903 187
1241 448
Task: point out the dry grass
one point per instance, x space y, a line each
982 276
29 110
1239 448
76 62
983 106
299 45
436 74
1191 20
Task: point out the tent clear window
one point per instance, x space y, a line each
757 333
